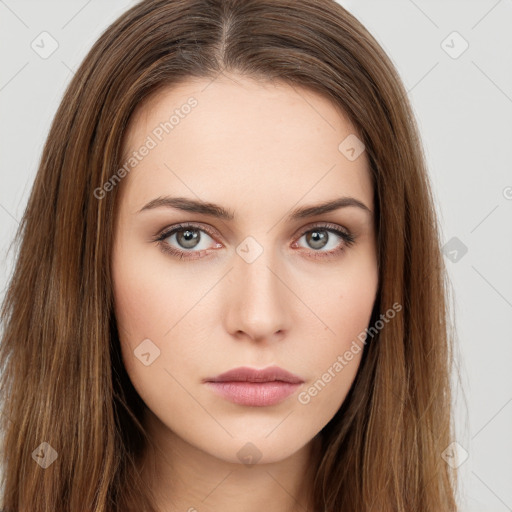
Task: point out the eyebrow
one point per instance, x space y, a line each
215 210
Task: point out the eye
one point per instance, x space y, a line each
186 238
326 236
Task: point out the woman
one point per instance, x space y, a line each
229 292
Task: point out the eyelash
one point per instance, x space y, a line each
347 237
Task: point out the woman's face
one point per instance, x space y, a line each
260 285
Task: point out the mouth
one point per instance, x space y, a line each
255 388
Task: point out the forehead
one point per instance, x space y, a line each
242 139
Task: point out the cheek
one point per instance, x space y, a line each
346 301
140 304
345 310
152 310
143 303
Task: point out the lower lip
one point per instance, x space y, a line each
255 394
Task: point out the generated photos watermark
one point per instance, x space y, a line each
342 360
157 135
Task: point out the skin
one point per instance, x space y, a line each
260 150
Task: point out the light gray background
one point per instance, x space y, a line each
464 110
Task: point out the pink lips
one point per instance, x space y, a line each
257 388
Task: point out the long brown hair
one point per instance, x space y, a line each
63 382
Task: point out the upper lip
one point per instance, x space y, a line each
246 374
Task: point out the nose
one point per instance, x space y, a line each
258 301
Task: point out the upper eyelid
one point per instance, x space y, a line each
166 232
